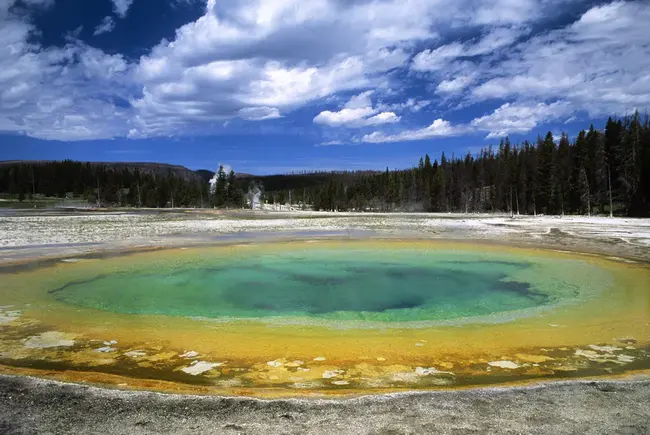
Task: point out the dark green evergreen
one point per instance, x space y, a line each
580 177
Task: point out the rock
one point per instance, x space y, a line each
135 353
199 367
626 340
422 371
50 339
608 349
504 364
189 354
328 374
7 316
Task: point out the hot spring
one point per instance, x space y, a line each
328 317
353 284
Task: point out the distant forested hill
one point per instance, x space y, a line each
143 167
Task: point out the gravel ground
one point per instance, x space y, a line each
27 235
32 406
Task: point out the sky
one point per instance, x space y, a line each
275 86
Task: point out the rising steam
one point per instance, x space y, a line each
254 196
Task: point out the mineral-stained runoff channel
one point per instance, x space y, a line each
333 317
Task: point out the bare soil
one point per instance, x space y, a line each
33 406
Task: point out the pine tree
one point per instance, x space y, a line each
629 153
579 162
585 194
220 188
563 172
644 184
598 165
438 189
231 190
546 174
426 183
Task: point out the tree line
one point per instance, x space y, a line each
116 185
604 172
599 171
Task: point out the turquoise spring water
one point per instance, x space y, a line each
358 284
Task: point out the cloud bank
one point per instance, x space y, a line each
392 63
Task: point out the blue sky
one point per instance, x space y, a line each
270 86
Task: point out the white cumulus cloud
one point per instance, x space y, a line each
520 118
454 85
358 112
107 25
598 64
259 113
439 128
64 93
121 7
